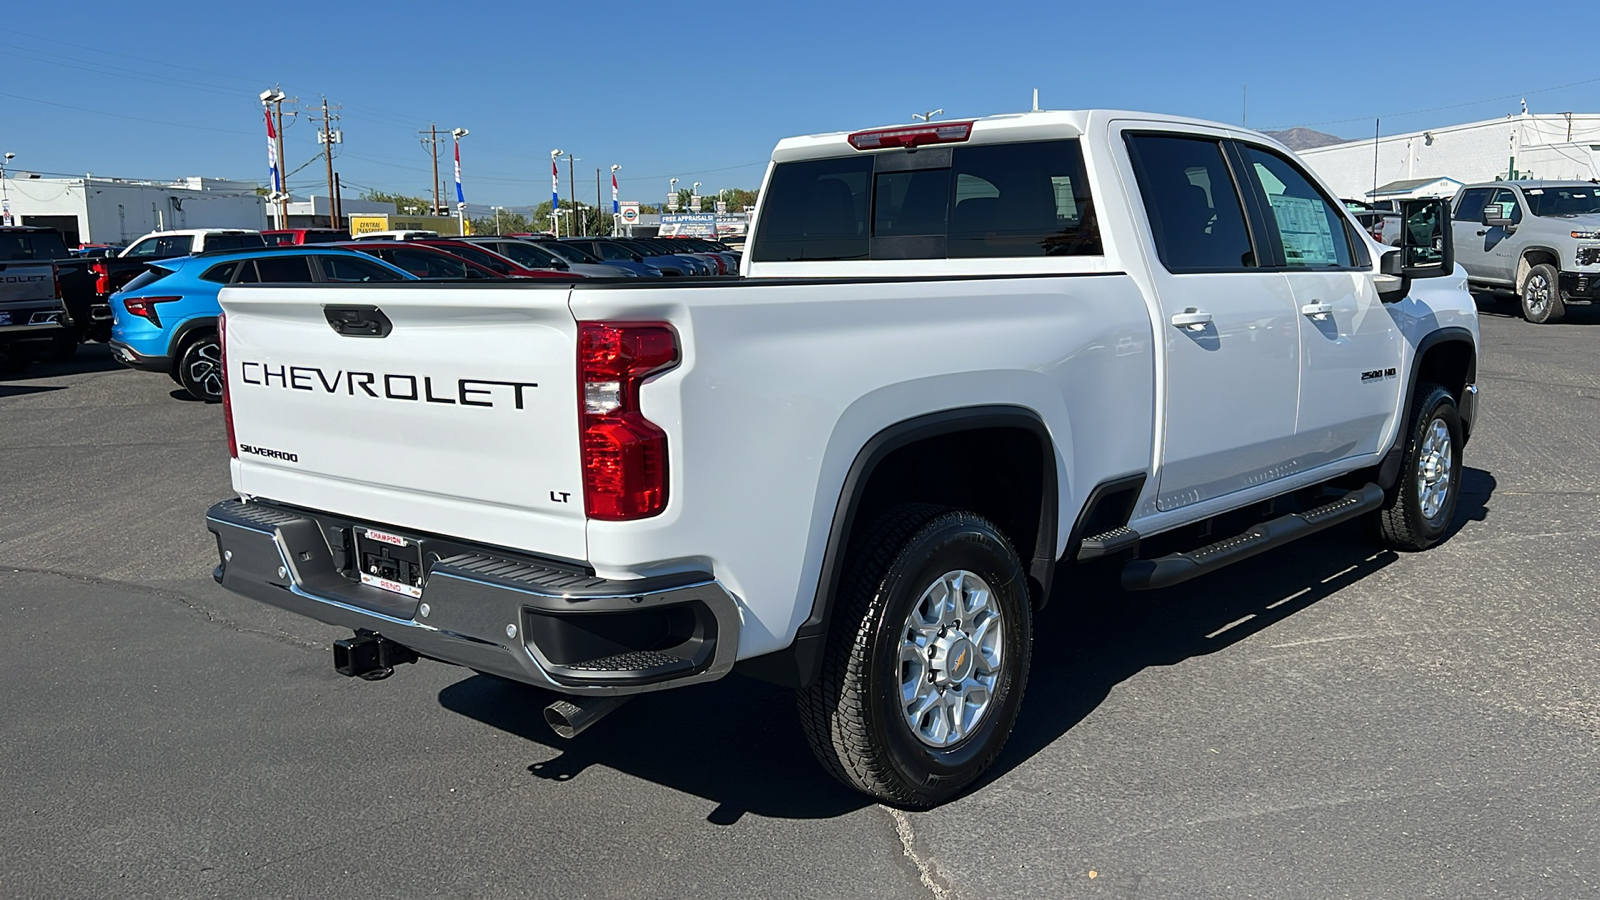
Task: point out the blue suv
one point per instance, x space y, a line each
165 319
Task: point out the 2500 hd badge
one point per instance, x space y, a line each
468 391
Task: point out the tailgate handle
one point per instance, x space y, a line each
358 321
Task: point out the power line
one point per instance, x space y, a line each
101 112
1429 109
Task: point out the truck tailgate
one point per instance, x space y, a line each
460 418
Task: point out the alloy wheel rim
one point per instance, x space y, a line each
1434 466
951 657
205 370
1537 294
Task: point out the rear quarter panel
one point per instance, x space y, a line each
782 384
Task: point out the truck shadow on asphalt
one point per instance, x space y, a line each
1500 306
737 742
89 358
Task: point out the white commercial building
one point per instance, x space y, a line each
1554 146
116 210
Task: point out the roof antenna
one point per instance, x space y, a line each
1035 99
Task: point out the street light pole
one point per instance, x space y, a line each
555 193
5 196
572 192
497 210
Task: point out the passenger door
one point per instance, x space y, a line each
1501 262
1229 326
1350 349
1471 235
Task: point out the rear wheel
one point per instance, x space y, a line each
927 657
200 367
14 359
1541 296
63 348
1422 504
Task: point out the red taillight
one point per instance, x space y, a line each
227 403
624 454
145 307
912 136
102 278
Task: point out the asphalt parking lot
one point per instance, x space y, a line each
1321 721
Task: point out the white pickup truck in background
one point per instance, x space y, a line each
965 358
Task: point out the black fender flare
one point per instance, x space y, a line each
1389 468
182 332
798 664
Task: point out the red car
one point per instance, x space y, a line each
483 256
294 237
431 263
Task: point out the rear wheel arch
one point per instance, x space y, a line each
185 332
998 461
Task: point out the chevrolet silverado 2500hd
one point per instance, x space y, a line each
965 356
1538 238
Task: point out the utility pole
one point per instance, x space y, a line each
327 136
572 193
431 141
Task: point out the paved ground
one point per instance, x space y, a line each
1322 721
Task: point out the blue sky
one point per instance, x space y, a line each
702 90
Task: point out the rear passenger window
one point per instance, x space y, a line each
1022 200
282 270
221 273
1193 205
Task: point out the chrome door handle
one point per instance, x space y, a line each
1192 319
1316 309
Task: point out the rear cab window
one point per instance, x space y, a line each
1017 199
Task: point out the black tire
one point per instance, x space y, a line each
63 348
1541 296
14 359
1403 523
199 367
853 715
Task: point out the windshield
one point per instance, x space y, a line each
568 252
22 245
530 255
1564 201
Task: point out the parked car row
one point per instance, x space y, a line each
94 281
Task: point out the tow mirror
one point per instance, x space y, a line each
1426 249
1494 216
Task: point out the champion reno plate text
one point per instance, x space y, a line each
387 385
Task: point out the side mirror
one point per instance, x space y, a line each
1494 215
638 258
1426 248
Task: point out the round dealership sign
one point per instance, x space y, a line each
630 214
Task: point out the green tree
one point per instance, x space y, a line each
403 204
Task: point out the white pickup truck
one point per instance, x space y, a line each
965 358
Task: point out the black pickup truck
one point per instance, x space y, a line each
34 322
89 312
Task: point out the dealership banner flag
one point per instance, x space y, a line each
555 188
614 207
459 197
272 154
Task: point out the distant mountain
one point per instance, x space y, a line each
1304 138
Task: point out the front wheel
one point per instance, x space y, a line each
927 657
1419 508
200 367
1541 296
